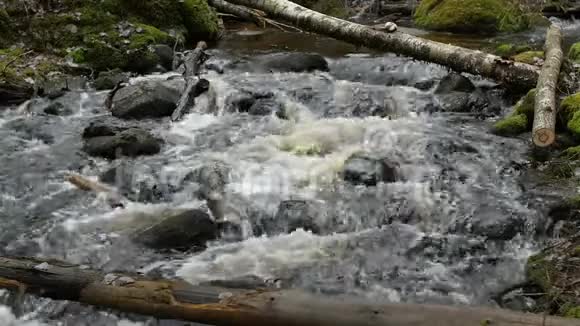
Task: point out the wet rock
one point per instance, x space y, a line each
455 83
364 169
108 79
499 227
34 127
104 128
290 216
293 62
131 142
425 85
165 54
180 231
212 179
516 299
57 108
475 102
148 99
255 104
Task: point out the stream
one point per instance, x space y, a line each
456 229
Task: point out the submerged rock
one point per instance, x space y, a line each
255 104
454 83
178 230
149 99
294 62
57 108
364 169
131 142
290 216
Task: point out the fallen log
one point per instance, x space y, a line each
194 86
224 306
242 12
516 74
544 127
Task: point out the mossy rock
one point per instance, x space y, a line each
508 50
195 16
512 125
529 57
574 54
569 106
571 153
521 118
539 270
471 16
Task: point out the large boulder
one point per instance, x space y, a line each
454 83
471 16
148 99
364 169
456 93
178 230
131 142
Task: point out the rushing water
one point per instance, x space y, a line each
408 241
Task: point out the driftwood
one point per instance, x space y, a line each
543 131
224 306
113 198
111 95
194 86
516 74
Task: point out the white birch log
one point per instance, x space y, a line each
544 128
457 58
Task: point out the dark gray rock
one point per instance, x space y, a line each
475 102
454 83
57 108
179 230
497 227
104 128
255 104
131 142
165 54
148 99
294 62
364 169
424 85
108 79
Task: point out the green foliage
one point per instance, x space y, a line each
573 312
574 53
479 16
529 57
539 270
78 55
571 153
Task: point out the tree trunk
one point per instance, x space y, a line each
239 11
544 129
516 74
194 86
228 307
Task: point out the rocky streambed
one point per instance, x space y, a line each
352 173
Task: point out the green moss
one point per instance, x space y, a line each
569 106
149 35
574 53
508 50
512 125
102 56
521 118
529 57
78 55
571 153
200 20
573 312
539 270
471 16
574 125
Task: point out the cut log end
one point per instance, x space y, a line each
544 137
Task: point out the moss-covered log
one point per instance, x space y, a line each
459 59
544 129
221 306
